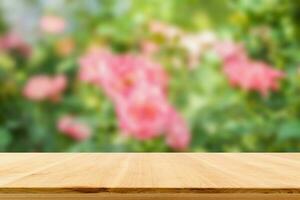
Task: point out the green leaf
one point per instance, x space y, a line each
5 139
289 130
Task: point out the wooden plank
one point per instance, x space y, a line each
160 175
16 166
155 196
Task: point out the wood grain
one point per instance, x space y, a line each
150 175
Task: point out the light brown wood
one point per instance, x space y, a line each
155 196
113 176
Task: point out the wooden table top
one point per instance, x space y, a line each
150 172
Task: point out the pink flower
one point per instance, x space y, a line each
12 41
59 83
90 65
125 72
228 50
143 113
52 24
70 126
119 74
251 75
138 88
42 87
178 135
248 74
149 48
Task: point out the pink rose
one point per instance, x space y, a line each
177 135
228 49
138 89
149 48
12 41
70 126
92 66
119 74
246 73
42 87
52 24
143 113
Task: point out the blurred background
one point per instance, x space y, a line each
151 75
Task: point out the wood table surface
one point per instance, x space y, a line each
113 176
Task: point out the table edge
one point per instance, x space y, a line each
123 190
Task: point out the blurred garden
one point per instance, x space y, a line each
149 75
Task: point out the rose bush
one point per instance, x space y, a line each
130 75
